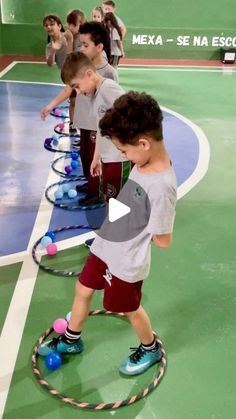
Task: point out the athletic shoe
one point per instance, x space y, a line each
88 243
72 130
139 361
90 200
82 188
76 144
57 345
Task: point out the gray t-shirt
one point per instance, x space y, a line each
119 21
106 94
60 55
114 35
130 260
76 44
83 114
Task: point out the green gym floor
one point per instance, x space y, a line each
190 295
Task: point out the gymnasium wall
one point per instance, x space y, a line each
156 28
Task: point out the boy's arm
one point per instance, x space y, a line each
96 168
70 40
51 50
162 240
63 95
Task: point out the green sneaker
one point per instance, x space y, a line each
57 345
140 360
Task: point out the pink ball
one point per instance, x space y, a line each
57 112
51 249
61 126
60 325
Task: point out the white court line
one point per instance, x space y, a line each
203 159
20 302
61 245
31 82
8 68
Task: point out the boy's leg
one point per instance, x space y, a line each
71 111
122 296
80 307
87 147
148 352
141 324
71 342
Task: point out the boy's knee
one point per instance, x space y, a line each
131 314
82 291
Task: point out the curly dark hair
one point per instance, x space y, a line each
133 114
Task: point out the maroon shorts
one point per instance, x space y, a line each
73 93
119 296
114 176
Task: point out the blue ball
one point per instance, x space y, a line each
74 155
58 194
45 241
68 316
66 187
72 193
63 114
53 361
55 142
52 235
55 136
74 164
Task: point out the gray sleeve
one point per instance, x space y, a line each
162 216
113 75
120 22
111 91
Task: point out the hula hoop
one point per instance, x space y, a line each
50 148
73 206
58 130
47 268
63 174
61 108
96 406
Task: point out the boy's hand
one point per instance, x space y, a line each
45 112
96 168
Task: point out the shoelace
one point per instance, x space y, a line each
137 355
54 342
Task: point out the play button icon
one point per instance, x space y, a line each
117 210
125 217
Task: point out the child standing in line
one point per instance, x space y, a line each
108 6
134 126
97 14
56 49
80 73
116 38
74 19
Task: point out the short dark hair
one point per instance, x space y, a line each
133 115
52 18
72 17
98 34
109 3
75 63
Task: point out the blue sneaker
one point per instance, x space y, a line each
57 345
139 361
